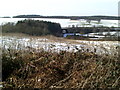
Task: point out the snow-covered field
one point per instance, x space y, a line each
57 44
67 22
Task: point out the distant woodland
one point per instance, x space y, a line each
70 17
33 27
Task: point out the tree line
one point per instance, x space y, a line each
70 17
33 27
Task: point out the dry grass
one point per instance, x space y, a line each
30 69
15 34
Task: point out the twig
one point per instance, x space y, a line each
61 81
116 81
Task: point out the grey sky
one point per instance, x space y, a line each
59 7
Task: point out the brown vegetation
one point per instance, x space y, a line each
30 69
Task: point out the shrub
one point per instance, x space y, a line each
59 70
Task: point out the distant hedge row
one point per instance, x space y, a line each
33 27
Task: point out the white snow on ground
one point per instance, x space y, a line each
67 22
99 47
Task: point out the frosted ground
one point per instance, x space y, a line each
55 44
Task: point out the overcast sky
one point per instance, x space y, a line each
59 7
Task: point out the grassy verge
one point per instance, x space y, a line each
93 39
30 69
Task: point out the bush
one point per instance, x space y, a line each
30 69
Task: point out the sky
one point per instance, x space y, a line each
59 7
